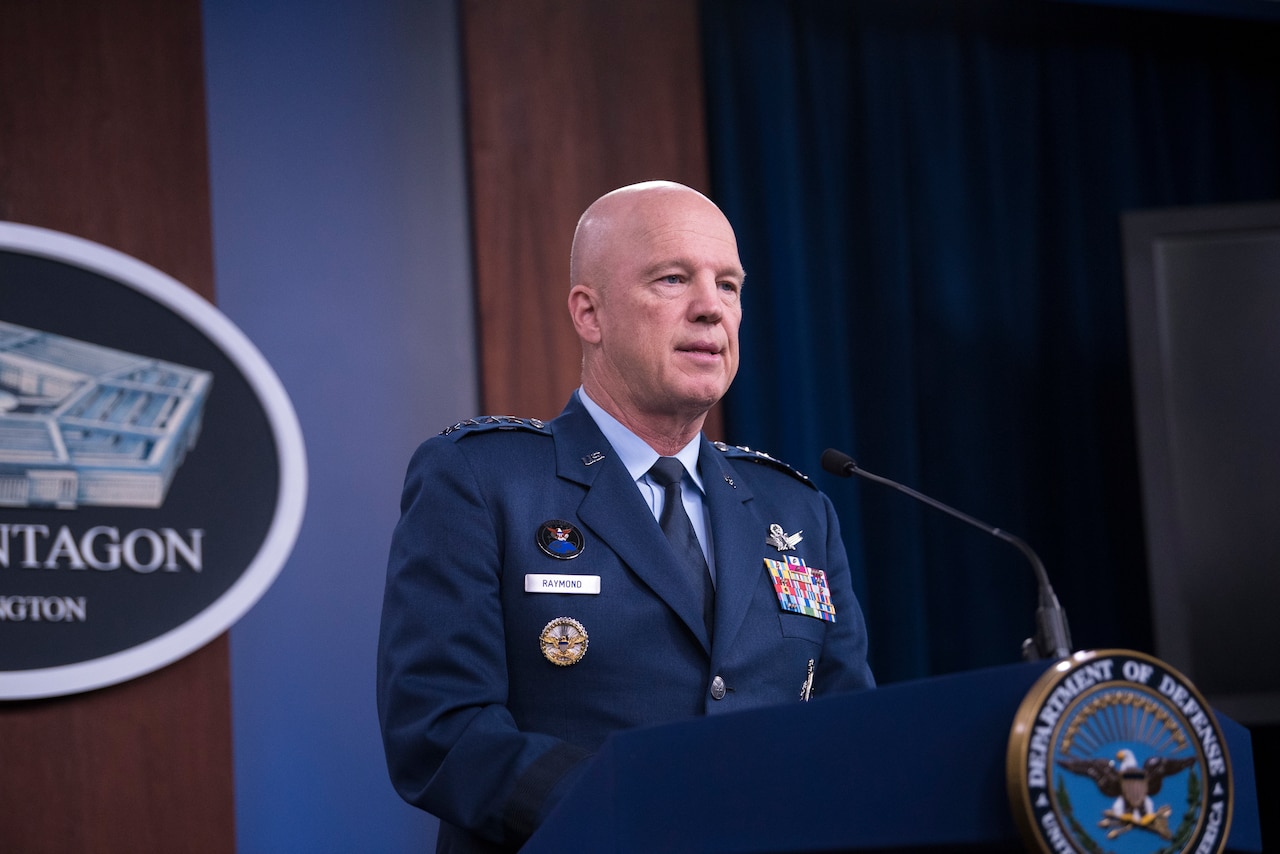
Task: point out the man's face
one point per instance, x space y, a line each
668 306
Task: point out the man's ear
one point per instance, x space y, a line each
584 309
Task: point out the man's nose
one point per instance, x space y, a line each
705 304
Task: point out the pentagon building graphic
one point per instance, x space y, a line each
87 425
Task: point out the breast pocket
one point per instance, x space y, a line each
801 626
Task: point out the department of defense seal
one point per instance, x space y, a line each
564 641
1115 752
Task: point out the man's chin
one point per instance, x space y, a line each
697 402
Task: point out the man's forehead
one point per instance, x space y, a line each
677 230
697 239
650 225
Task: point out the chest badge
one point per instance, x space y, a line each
564 641
781 540
558 539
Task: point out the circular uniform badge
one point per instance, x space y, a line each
558 539
1115 751
564 641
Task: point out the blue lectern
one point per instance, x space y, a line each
917 766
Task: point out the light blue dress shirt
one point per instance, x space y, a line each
638 457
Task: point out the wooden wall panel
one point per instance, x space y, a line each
566 100
102 135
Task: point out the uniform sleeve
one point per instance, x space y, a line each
452 746
844 664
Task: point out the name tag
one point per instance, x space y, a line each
562 584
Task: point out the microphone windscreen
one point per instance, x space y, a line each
838 463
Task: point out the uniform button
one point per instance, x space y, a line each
717 688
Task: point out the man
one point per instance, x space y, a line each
540 595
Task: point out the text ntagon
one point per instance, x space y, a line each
101 548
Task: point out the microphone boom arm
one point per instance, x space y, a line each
1052 638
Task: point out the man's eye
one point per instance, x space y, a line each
673 279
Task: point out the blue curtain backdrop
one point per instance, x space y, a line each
927 197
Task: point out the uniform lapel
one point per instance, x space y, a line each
615 513
738 539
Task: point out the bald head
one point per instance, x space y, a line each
625 216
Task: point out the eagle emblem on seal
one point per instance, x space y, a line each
1132 785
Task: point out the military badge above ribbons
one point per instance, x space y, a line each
1114 751
800 588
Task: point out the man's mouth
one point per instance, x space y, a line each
700 347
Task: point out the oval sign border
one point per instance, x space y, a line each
286 521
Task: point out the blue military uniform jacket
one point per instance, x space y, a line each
480 727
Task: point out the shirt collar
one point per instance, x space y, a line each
633 451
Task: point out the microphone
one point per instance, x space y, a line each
1052 638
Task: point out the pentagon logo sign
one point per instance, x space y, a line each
152 472
1113 751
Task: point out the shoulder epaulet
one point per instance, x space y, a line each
497 422
742 452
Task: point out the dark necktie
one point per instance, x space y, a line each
667 472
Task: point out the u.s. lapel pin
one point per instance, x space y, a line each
592 458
